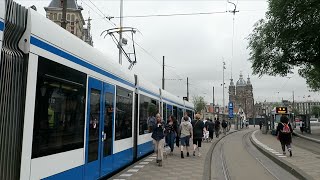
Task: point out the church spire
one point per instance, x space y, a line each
248 80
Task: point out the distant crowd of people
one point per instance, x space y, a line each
180 134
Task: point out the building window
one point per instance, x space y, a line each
148 109
55 16
72 18
59 109
68 17
123 122
59 17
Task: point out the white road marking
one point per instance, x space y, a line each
126 175
153 157
282 156
133 170
148 160
144 163
138 166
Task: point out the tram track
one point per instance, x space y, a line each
224 163
222 169
208 169
247 146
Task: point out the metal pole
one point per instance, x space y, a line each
213 96
163 72
120 32
223 85
64 15
188 88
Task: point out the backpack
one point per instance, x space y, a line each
286 128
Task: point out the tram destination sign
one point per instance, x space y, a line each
281 110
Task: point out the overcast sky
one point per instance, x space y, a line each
193 46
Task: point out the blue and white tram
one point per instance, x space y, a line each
68 111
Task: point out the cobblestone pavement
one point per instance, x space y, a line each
173 168
303 159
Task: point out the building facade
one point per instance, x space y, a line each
75 20
241 95
305 107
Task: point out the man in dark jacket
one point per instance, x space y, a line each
210 127
217 127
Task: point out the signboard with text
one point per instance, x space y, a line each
281 110
230 107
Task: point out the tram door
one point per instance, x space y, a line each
99 129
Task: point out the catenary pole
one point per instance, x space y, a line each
64 15
163 72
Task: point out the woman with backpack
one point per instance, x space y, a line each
284 134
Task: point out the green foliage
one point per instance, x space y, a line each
288 38
315 111
199 103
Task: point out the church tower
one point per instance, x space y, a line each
232 91
249 98
241 95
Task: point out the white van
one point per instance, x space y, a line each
314 120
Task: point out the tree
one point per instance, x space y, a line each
288 38
315 111
199 103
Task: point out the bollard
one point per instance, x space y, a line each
264 129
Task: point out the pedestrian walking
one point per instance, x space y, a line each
302 126
185 135
198 131
170 132
176 125
158 138
206 134
260 124
217 127
224 127
186 115
284 134
210 127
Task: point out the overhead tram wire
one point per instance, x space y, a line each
102 16
143 49
174 14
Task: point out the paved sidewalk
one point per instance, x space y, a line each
303 161
174 168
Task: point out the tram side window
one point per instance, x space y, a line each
175 112
148 109
180 114
59 109
123 123
164 112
